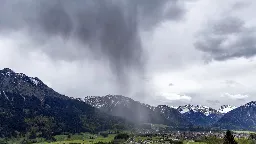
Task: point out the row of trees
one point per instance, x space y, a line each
229 139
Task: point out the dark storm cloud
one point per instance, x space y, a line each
227 38
53 19
109 29
151 12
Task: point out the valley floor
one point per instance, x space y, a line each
104 138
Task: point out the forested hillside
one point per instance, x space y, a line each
30 107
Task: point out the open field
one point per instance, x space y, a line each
81 138
105 138
188 142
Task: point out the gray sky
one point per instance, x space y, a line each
171 52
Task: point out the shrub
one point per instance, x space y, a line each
122 136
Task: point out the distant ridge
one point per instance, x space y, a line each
20 83
137 112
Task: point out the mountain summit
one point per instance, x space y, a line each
197 108
226 108
30 86
243 118
200 115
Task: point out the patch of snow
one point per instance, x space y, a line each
23 97
226 108
117 103
175 107
207 113
184 110
248 114
34 81
253 103
6 96
197 108
8 73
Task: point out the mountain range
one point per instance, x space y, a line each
203 115
135 111
28 106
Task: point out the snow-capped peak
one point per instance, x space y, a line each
18 78
6 71
107 101
250 104
226 108
197 108
175 107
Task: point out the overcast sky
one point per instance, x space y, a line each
171 52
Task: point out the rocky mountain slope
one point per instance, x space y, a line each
137 112
200 115
197 108
226 108
20 83
241 118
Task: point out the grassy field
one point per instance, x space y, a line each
187 142
81 138
87 138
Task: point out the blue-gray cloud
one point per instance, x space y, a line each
227 38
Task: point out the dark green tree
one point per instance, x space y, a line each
252 136
41 126
229 138
122 136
